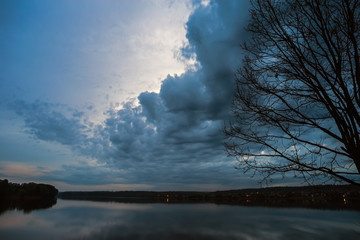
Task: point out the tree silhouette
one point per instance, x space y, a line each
297 99
26 196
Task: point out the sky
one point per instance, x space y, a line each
119 94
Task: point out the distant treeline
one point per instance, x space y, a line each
323 196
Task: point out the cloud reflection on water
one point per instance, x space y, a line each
106 220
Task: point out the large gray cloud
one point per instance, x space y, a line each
174 135
179 128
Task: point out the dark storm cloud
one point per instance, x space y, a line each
174 136
172 133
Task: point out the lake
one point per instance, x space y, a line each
73 219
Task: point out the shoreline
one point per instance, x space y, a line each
322 196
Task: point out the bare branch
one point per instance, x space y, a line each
296 106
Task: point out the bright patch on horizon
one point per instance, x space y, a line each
9 169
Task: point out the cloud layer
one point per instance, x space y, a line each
174 136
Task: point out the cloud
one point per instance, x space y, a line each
9 169
174 136
47 122
170 135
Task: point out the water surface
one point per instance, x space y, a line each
71 219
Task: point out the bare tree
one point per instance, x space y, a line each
297 99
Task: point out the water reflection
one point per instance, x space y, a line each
25 205
105 220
